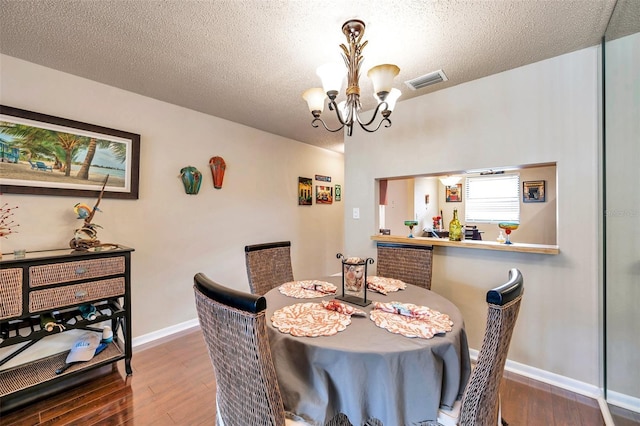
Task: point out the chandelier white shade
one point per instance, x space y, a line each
315 99
332 77
382 77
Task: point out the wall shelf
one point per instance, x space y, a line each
469 244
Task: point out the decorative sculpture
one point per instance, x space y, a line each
86 238
508 227
7 225
218 166
191 179
411 224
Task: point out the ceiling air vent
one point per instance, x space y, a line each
426 80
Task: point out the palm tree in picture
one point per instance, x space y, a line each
31 141
70 144
60 155
92 144
119 151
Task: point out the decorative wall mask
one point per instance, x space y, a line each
218 166
191 179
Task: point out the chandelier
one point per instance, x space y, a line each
332 76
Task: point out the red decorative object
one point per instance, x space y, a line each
436 222
7 225
218 166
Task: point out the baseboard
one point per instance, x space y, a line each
164 333
553 379
614 398
623 401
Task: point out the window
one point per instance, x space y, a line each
492 199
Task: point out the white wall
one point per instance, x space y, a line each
541 113
177 235
399 206
425 212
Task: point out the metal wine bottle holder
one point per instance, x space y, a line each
354 280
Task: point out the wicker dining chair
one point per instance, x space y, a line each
408 263
480 404
234 327
268 266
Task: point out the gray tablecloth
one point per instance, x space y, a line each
368 372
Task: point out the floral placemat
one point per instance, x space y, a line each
307 289
309 320
410 320
385 285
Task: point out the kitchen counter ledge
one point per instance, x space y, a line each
469 244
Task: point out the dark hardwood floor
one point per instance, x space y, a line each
173 384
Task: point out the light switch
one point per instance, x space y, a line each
356 213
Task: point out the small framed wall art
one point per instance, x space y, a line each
533 191
454 193
338 193
305 191
324 194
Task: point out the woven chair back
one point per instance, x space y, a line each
235 333
411 264
480 401
268 266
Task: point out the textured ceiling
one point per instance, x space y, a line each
249 61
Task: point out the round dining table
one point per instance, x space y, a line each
366 372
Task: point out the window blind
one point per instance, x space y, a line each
493 199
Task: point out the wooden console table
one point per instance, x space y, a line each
55 283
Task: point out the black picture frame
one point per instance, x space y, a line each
454 193
24 168
305 191
533 191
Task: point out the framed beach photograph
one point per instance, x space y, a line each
454 193
533 191
305 191
45 155
324 194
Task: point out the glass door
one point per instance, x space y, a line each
621 221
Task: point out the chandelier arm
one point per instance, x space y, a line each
333 106
388 124
373 117
315 124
